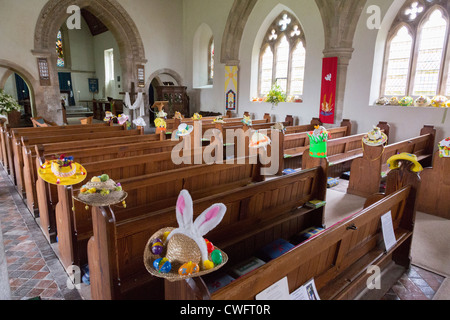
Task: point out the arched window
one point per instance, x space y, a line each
416 59
59 50
282 56
211 61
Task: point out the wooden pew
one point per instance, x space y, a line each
154 191
341 152
434 193
46 194
21 156
256 207
337 258
292 145
30 136
6 136
366 170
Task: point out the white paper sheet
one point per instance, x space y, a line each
388 231
278 291
306 292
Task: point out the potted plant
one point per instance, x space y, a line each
276 95
10 108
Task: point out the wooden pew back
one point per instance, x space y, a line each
276 200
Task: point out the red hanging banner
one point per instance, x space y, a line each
328 95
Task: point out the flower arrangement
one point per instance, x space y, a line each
7 103
276 95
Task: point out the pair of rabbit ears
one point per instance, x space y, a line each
208 220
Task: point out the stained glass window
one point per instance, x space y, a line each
59 50
266 70
298 69
282 56
211 61
429 58
417 52
398 64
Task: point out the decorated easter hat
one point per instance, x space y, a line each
219 119
197 117
182 253
422 101
444 148
161 114
382 101
394 101
139 122
406 101
259 140
438 101
184 129
109 116
375 137
122 118
178 115
394 161
62 171
101 191
247 121
318 142
160 124
279 126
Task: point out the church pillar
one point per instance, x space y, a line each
47 93
344 56
340 18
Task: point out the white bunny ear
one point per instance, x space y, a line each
184 210
209 219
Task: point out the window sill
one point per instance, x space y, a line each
410 107
281 103
209 86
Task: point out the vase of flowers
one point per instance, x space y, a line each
275 96
10 108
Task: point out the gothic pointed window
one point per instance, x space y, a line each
282 56
59 50
417 59
211 61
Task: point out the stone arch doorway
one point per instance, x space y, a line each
158 78
113 16
25 75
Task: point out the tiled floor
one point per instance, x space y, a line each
35 271
33 268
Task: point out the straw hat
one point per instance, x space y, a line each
122 118
375 138
101 192
185 248
259 140
184 130
63 172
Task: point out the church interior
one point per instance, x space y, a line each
225 150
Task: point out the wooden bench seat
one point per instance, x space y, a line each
153 177
337 258
6 143
112 273
433 197
28 141
366 171
19 139
46 194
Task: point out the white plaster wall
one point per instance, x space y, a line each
17 23
213 13
363 84
261 17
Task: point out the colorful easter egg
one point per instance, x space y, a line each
157 248
162 265
216 257
104 177
96 179
188 269
209 246
208 265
